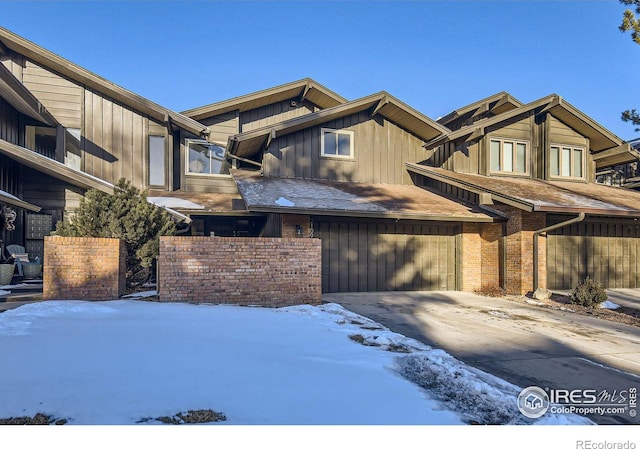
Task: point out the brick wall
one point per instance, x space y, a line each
491 234
471 257
519 249
290 223
248 271
480 256
83 268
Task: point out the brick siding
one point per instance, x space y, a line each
480 256
83 268
290 223
519 249
247 271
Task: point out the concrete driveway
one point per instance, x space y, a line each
523 344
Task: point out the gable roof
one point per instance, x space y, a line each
497 103
22 99
600 138
536 195
302 89
339 198
89 79
251 142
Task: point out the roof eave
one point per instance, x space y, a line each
22 99
306 87
53 168
380 103
481 218
17 202
83 76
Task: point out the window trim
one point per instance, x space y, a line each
186 165
527 156
351 134
165 162
573 149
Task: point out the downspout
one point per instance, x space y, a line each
562 224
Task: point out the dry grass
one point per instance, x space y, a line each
39 419
190 417
493 291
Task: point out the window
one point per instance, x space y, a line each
72 148
157 161
336 143
206 158
566 161
508 156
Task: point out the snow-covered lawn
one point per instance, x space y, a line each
120 362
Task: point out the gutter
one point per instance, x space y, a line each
562 224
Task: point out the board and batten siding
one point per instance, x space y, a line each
222 126
608 252
458 156
381 149
116 139
273 113
380 255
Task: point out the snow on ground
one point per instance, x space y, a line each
5 292
146 294
9 287
609 305
118 362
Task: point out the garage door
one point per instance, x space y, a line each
607 252
384 256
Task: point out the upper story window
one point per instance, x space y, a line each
566 161
157 161
204 158
336 143
509 156
73 148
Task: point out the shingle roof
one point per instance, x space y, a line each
540 195
204 203
321 197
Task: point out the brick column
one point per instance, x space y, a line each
491 234
290 223
480 256
471 257
83 268
519 249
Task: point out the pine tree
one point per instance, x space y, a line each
631 22
127 215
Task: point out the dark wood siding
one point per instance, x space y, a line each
381 149
11 173
361 256
608 252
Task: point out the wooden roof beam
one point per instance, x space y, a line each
484 107
383 101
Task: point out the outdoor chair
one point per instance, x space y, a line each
19 254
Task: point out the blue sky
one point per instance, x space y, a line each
434 55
